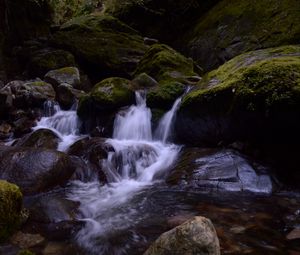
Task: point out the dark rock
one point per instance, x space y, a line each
144 81
231 28
225 170
69 75
23 126
106 46
94 151
41 138
45 60
254 98
67 96
34 170
99 107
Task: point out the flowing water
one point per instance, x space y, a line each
137 163
65 124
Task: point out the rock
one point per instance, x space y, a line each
10 209
170 69
67 96
23 126
69 75
238 230
41 138
143 81
223 170
44 60
34 170
94 151
252 98
294 234
5 131
106 97
106 46
28 94
162 19
26 240
197 236
230 29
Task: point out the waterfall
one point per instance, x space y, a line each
65 124
136 163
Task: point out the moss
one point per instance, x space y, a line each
68 70
160 61
234 27
42 62
25 252
263 81
39 83
10 208
103 42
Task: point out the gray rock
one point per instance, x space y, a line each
69 75
220 170
194 237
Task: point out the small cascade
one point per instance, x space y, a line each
164 129
64 123
135 164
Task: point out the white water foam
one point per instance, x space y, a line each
136 163
65 124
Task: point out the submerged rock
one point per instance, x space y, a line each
225 170
34 170
10 208
195 237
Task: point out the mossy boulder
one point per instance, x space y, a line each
10 208
106 46
172 71
104 100
162 19
45 60
231 28
69 75
254 97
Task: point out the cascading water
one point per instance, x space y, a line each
136 163
65 124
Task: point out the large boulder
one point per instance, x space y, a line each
219 170
170 69
69 75
106 97
234 27
106 46
10 208
26 93
194 237
41 138
34 170
254 97
162 19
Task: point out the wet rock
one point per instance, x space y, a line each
67 96
294 234
143 80
5 131
41 138
98 108
10 209
23 126
197 236
26 240
92 150
69 75
223 170
253 99
34 170
103 43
